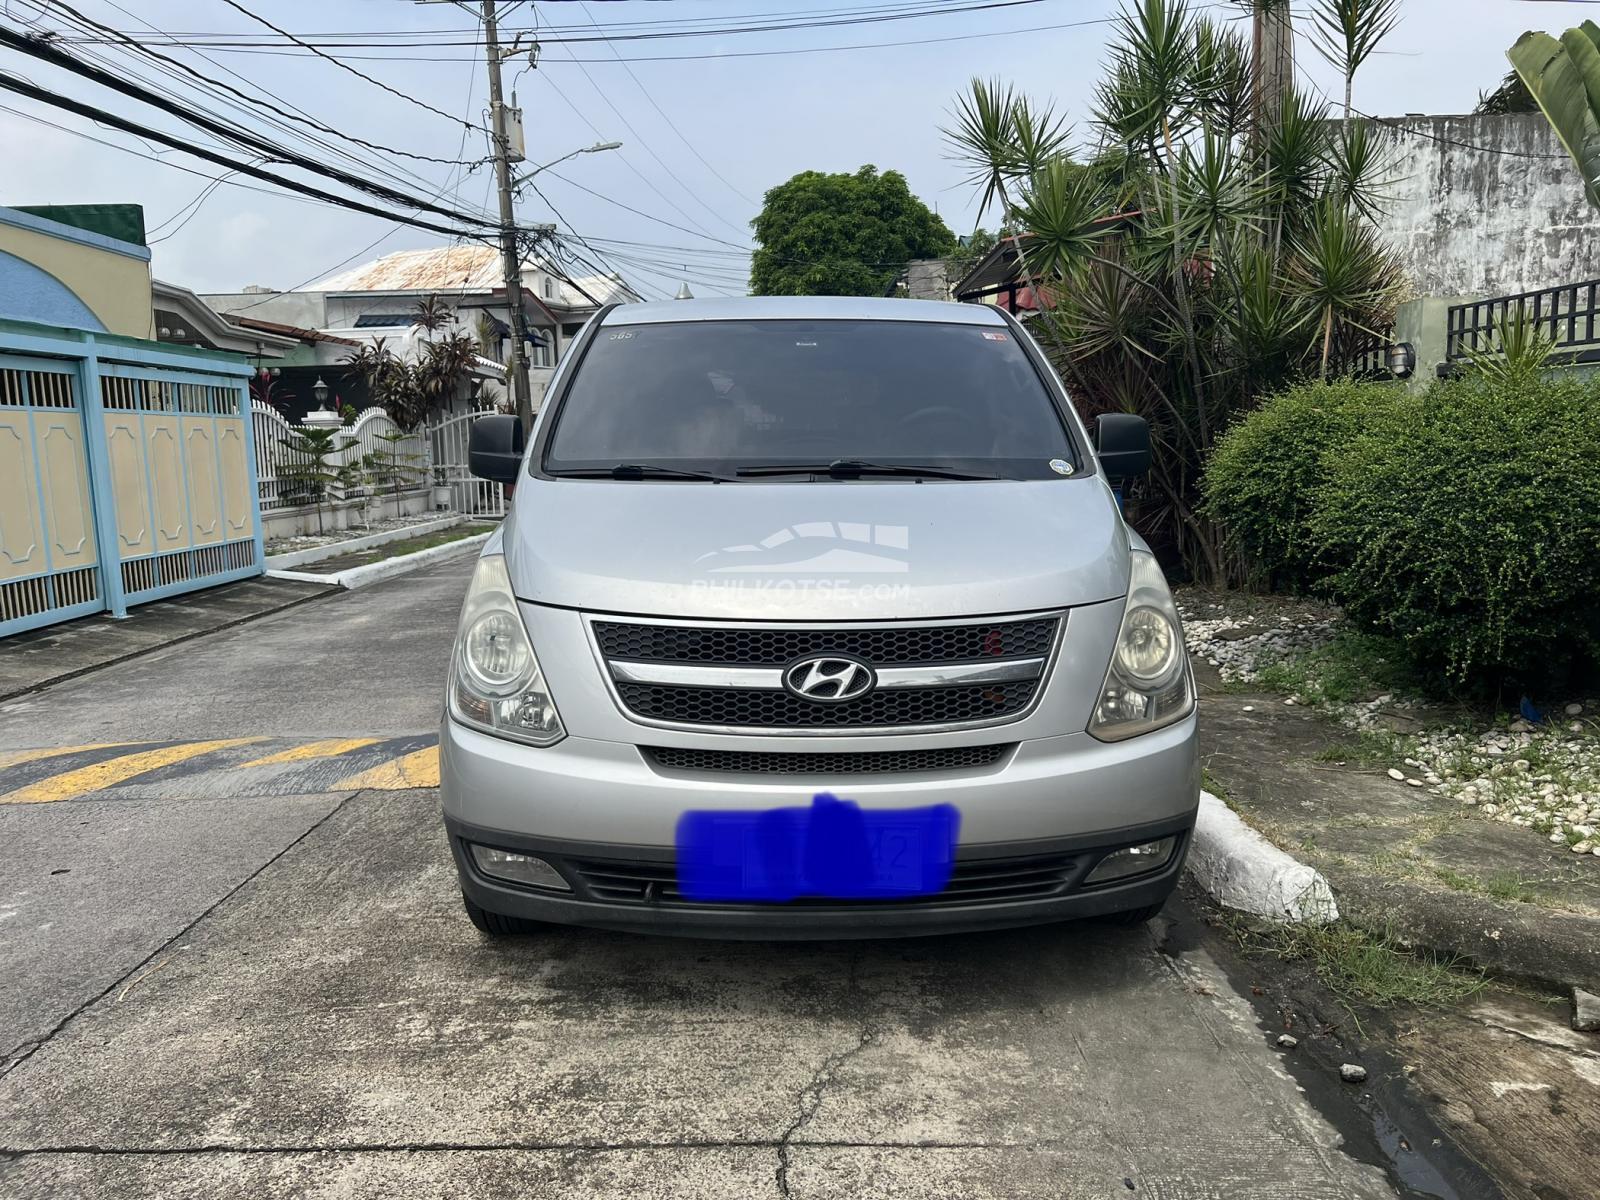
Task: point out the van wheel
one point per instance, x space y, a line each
1133 917
493 923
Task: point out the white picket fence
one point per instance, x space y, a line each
434 454
280 466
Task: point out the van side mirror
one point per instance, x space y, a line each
1122 443
494 449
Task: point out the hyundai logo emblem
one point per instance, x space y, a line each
828 678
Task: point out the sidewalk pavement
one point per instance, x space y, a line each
30 661
1402 860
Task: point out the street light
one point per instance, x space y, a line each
594 149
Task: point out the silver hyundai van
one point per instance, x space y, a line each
814 618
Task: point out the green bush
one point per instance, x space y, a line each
1465 522
1263 477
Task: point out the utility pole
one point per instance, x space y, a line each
509 251
1272 59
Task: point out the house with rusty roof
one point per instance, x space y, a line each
378 300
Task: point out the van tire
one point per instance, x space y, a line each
492 923
1131 918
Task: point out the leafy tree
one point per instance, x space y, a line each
973 251
842 235
1203 259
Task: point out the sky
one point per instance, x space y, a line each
703 138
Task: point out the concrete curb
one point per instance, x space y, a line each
390 567
1240 869
370 541
1523 941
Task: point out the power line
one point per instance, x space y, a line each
119 36
729 53
641 213
560 217
45 52
698 230
434 34
233 4
650 150
580 37
22 87
671 124
214 90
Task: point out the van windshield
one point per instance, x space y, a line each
729 396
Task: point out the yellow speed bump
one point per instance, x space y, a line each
16 758
327 748
419 769
71 784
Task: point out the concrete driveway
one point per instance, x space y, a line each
234 989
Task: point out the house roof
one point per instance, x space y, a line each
462 268
287 331
1000 267
215 330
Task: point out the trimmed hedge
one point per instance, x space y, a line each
1465 522
1262 481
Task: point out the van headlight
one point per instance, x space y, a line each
495 681
1148 684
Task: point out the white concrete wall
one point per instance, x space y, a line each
1487 206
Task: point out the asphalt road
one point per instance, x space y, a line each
215 987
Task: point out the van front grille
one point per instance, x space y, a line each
887 646
770 708
801 763
755 677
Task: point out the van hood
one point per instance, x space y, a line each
824 551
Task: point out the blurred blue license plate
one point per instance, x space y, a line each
832 849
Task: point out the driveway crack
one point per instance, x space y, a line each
810 1100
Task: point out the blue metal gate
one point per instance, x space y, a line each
127 474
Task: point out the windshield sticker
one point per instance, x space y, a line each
1061 466
990 336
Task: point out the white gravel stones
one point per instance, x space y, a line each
1544 777
1351 1073
1288 1041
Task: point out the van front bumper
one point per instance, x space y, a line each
599 811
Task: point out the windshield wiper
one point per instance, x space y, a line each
637 471
850 468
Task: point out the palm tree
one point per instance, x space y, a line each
1200 259
1346 32
1002 139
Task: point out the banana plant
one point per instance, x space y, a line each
1564 79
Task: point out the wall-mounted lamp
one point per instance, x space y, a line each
1402 360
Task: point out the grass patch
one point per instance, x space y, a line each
1352 666
1210 783
427 541
1508 885
1359 966
1364 748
